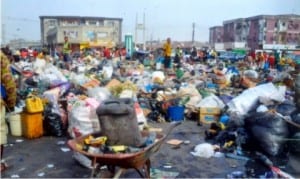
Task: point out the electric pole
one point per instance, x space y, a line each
193 34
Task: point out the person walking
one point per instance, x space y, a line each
167 54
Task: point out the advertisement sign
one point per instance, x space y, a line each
129 44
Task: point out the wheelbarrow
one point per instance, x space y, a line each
123 161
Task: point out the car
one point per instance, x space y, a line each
294 57
232 56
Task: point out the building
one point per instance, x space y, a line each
216 34
96 31
258 32
22 43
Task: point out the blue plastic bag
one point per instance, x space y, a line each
3 92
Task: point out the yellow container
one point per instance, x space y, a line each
32 125
209 115
34 104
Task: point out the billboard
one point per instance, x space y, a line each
129 44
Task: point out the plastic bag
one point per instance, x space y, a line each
119 123
108 71
99 93
286 108
204 150
82 119
158 75
211 101
268 130
246 101
52 122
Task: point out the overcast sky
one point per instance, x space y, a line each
164 18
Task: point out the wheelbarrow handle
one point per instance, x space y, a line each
172 126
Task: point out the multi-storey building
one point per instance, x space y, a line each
216 34
97 31
263 31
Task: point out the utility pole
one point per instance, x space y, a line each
151 39
136 27
144 31
193 34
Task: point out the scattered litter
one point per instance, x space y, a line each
155 129
233 166
61 142
41 174
19 140
204 150
156 173
15 176
65 149
11 145
167 165
50 165
22 169
219 154
237 157
236 174
174 142
186 142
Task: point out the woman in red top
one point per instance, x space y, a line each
271 60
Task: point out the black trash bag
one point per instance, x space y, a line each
286 108
153 115
52 123
296 119
31 82
119 123
294 144
269 131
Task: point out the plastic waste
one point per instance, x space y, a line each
52 122
262 108
236 174
204 150
224 119
151 138
268 130
211 101
237 157
246 101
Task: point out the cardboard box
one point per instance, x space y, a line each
209 115
90 84
112 83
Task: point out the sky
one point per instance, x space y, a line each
164 18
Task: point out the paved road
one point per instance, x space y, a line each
44 158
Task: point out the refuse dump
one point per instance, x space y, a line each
244 109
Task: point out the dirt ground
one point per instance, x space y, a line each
44 158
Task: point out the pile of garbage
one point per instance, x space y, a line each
244 109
